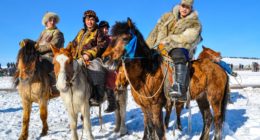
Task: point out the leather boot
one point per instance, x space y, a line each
179 89
54 91
98 96
112 106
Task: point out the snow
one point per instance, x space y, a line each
242 117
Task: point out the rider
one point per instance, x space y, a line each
50 35
110 77
179 31
225 66
86 46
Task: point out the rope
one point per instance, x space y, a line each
239 83
175 120
146 97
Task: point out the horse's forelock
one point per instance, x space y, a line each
120 28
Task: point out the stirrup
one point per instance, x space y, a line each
173 93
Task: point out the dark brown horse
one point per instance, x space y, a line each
34 85
208 85
146 78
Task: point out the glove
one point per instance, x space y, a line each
234 74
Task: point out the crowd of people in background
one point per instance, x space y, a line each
9 70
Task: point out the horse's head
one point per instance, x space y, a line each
27 60
127 42
63 66
209 53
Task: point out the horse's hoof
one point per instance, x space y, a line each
116 130
43 134
23 137
123 132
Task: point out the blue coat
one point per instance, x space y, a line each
225 66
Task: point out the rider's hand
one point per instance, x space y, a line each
86 57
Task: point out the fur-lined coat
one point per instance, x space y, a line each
47 37
88 42
175 31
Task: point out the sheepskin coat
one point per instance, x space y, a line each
176 32
49 36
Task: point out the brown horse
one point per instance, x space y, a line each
34 85
208 85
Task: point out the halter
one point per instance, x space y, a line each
131 48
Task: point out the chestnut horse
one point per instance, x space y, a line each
208 84
34 85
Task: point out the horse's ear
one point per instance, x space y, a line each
130 23
54 49
69 46
203 47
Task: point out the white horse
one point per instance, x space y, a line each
75 89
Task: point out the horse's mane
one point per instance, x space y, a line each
28 53
151 58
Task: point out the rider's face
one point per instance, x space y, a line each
90 22
185 10
51 23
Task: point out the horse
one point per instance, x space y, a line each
34 85
74 85
208 84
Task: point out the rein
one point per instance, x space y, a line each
140 95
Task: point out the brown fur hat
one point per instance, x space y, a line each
91 13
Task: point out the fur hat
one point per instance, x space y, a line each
49 15
103 23
187 2
91 13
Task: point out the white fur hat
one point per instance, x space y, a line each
187 2
49 15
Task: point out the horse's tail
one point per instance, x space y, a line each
225 100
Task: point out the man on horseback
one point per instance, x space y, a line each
87 46
179 31
50 35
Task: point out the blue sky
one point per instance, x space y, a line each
229 26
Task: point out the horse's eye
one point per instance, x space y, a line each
125 40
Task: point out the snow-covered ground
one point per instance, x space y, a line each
242 117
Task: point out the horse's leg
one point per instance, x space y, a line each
168 108
207 117
117 118
44 115
27 106
122 112
87 123
179 107
146 125
158 121
73 123
218 119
